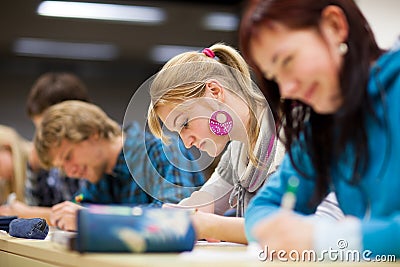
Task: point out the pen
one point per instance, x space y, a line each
289 198
78 198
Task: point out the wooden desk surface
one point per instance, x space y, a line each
27 252
16 252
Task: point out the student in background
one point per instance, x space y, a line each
209 99
49 187
45 188
336 95
14 151
14 155
123 167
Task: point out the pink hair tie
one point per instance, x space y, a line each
208 52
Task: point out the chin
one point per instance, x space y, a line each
214 149
211 153
325 110
215 152
93 179
327 107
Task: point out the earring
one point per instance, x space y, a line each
343 48
220 128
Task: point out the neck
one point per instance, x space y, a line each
113 150
240 113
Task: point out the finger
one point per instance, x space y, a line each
71 204
58 206
60 223
55 217
69 223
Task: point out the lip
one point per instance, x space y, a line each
201 145
82 172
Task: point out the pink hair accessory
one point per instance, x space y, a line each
208 52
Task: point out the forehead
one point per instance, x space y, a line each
59 152
169 113
268 42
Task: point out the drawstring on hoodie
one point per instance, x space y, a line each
237 198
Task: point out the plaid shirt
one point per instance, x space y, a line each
49 187
146 172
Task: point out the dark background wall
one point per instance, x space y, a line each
112 83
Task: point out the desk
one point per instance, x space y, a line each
16 252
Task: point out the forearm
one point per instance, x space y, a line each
229 229
35 212
220 191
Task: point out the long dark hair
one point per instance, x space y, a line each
325 136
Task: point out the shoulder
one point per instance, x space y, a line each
385 71
235 148
384 82
133 133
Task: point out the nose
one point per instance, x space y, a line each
188 139
70 169
288 88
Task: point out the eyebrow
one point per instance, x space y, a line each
176 118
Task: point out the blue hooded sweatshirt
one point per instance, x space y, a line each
375 201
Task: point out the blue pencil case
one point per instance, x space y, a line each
34 228
126 229
5 222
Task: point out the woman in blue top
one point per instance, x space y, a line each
336 94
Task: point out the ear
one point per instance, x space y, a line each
214 90
334 24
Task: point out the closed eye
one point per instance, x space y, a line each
286 61
67 157
185 124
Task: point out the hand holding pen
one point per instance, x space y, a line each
64 215
289 198
78 199
285 230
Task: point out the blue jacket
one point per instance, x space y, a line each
375 200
